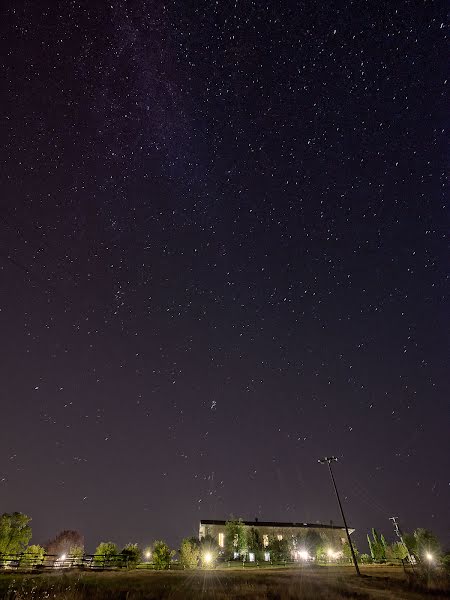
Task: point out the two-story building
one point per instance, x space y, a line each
333 536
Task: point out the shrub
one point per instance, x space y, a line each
131 556
34 555
162 555
189 553
106 554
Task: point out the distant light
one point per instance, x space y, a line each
207 558
63 557
331 553
429 556
148 554
303 554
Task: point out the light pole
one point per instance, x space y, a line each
328 460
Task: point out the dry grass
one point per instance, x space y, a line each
274 584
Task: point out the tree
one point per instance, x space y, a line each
377 546
67 542
426 542
76 554
162 555
410 543
321 552
313 541
130 556
346 551
397 551
106 554
235 537
15 532
254 543
33 556
189 553
279 549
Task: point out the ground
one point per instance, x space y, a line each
307 583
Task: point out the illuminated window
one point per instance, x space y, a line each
265 540
279 537
251 556
267 556
221 539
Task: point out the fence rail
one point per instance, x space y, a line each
33 562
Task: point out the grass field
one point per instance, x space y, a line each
320 583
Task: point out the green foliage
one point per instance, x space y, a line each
76 555
33 556
410 542
346 551
377 546
15 532
189 553
131 556
426 541
254 543
106 554
162 555
397 551
445 561
235 537
321 552
365 559
279 549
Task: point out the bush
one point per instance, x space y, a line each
189 553
365 559
106 554
162 555
279 550
131 556
33 556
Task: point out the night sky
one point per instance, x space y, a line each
223 255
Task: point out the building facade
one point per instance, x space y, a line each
332 536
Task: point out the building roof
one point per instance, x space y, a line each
275 524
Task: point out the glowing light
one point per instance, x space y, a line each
207 558
148 554
429 556
63 557
331 553
303 554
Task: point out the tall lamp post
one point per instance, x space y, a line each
328 460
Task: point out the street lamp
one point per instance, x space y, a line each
429 557
328 460
207 558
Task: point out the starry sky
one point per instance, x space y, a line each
223 255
